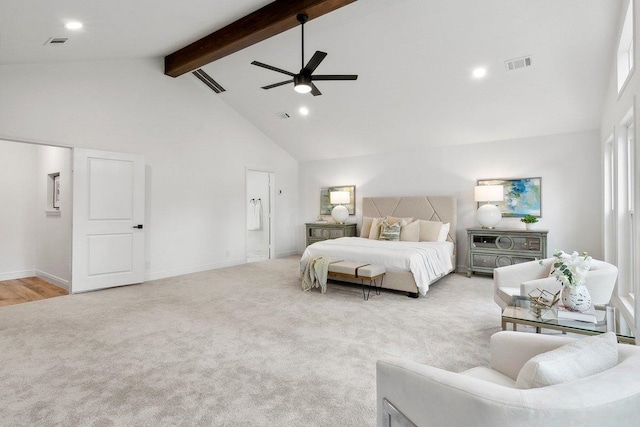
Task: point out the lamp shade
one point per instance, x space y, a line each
339 197
489 193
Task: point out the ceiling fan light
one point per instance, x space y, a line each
302 88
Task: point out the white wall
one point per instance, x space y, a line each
569 165
18 210
196 149
53 239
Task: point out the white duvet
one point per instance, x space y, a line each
427 261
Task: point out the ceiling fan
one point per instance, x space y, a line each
303 81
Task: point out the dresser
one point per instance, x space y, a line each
317 231
492 248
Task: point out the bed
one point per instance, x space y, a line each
411 266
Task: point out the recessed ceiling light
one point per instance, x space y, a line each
479 72
73 25
303 111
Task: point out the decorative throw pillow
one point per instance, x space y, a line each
429 230
390 232
579 359
410 232
366 226
444 232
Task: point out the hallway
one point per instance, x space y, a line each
19 291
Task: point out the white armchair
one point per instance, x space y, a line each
520 279
429 396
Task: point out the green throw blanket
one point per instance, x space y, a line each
316 271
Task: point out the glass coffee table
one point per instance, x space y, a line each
609 319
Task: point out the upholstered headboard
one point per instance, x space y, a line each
433 208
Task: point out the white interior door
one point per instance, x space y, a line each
259 202
108 215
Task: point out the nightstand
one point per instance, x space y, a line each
492 248
318 231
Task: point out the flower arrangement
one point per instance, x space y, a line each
570 270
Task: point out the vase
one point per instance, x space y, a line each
576 298
528 226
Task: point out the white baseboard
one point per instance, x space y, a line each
53 279
188 270
17 274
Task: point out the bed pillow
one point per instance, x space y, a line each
579 359
366 226
429 230
390 232
374 231
444 232
393 219
410 232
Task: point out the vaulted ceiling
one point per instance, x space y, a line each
414 59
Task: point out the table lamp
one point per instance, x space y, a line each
339 213
489 215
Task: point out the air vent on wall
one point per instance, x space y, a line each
518 63
283 115
56 40
206 79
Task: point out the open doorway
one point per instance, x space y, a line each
35 222
259 215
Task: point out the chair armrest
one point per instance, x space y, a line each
511 350
600 284
550 284
512 275
430 396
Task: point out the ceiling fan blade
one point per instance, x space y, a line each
315 60
336 77
277 84
269 67
314 90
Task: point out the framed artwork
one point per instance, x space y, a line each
56 192
522 196
326 206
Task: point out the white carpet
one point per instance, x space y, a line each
241 346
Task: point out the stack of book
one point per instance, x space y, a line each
588 315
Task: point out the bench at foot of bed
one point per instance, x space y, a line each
369 273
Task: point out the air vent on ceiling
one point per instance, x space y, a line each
206 79
283 115
518 63
56 40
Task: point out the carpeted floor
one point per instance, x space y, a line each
240 346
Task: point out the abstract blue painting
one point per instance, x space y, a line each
522 196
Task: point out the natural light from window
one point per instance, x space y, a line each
625 48
620 228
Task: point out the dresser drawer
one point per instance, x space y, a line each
316 232
493 248
495 260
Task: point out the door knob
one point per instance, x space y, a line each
139 226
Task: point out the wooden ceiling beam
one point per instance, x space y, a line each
266 22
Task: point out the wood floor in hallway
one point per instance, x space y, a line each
18 291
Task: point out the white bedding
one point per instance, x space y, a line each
427 261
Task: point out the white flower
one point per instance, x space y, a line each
570 270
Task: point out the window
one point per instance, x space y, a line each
620 224
625 60
630 157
